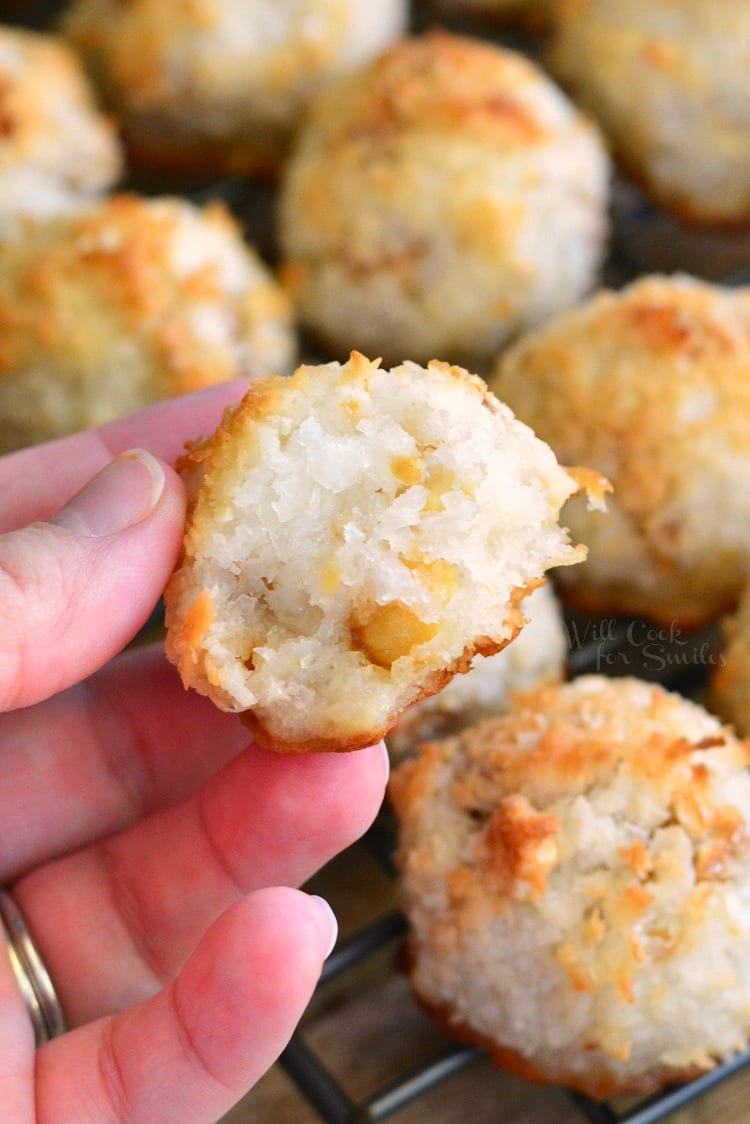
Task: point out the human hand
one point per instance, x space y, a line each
149 849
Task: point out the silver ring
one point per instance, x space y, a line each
32 977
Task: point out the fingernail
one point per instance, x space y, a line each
121 495
328 918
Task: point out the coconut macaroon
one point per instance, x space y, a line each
536 656
576 877
218 85
668 83
439 200
355 536
124 303
651 386
730 683
56 148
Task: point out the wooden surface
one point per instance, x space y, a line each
367 1030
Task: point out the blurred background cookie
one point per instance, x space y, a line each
730 684
651 386
126 302
536 656
355 536
438 201
217 85
667 82
576 877
56 148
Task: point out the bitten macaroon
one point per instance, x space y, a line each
355 536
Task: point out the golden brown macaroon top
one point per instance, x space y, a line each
49 121
689 331
632 377
442 83
151 25
668 49
47 69
666 81
117 268
149 53
559 741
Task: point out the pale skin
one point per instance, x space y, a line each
153 852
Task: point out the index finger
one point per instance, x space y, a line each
35 483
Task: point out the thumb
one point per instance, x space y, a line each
75 590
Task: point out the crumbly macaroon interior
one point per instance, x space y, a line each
362 530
